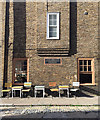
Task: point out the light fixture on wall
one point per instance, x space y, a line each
86 13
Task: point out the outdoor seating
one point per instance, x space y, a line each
53 87
64 87
16 88
8 90
27 88
39 88
75 88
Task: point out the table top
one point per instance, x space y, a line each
17 87
39 86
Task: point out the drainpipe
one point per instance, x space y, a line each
1 73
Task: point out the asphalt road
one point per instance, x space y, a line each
50 112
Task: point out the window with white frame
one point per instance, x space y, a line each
52 25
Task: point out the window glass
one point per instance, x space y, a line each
20 71
51 29
53 26
85 68
85 71
52 34
81 68
89 68
85 62
80 62
89 62
53 61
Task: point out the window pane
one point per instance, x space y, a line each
80 62
89 62
85 68
85 78
52 34
50 16
81 68
20 71
54 16
52 22
52 19
89 68
25 62
52 61
85 62
52 29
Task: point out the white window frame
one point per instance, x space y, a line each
53 13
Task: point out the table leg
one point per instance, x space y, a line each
43 93
59 92
20 93
12 93
35 93
68 92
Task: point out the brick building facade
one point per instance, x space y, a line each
51 41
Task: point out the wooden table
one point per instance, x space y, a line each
16 88
39 88
64 87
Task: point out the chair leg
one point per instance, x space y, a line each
75 94
30 93
22 94
35 93
9 94
2 94
59 93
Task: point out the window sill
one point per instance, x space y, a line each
88 84
52 38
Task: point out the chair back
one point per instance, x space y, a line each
52 84
76 84
8 85
27 84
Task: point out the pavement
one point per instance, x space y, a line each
94 100
45 108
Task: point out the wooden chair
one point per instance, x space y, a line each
8 90
53 87
27 86
75 88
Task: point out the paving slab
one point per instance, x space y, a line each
50 101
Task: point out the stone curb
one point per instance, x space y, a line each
14 105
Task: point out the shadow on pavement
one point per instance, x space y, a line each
95 115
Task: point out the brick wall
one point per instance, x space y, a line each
78 33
